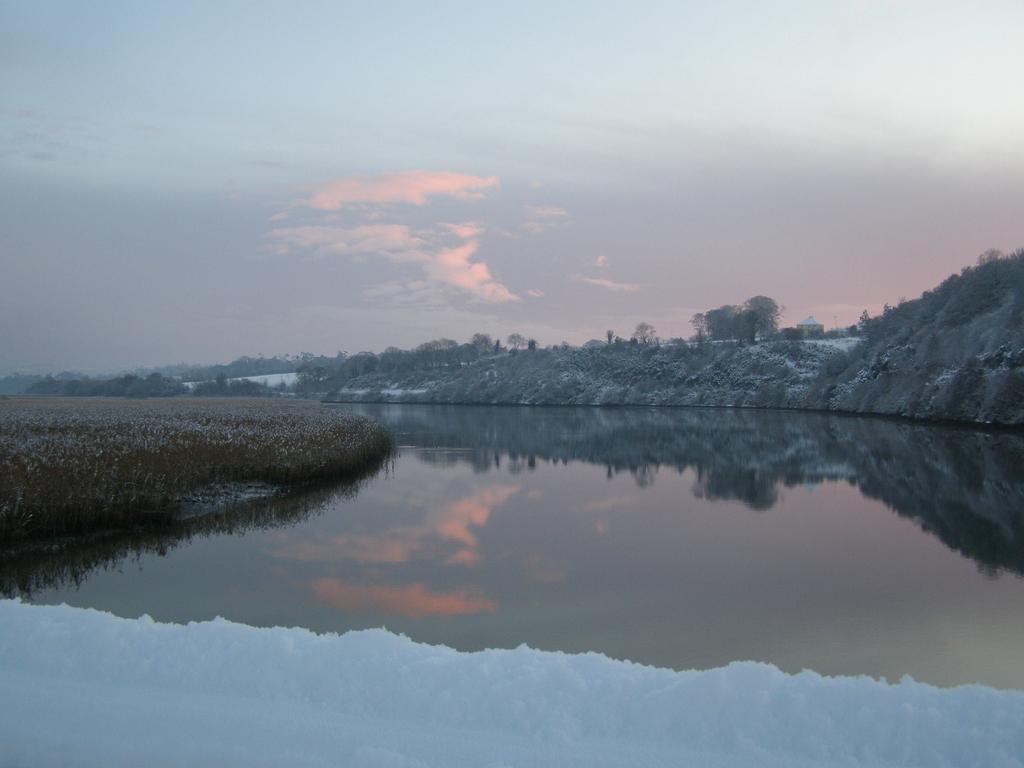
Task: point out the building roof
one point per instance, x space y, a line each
809 321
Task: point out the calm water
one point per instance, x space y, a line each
682 538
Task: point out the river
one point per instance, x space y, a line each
684 538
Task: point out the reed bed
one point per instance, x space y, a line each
71 466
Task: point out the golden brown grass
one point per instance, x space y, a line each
71 465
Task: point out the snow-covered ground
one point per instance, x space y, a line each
270 379
80 687
386 391
845 343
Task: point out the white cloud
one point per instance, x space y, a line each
610 285
442 263
467 230
422 294
541 218
393 241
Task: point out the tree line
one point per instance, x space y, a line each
153 385
757 317
128 385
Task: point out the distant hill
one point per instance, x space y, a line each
17 383
956 353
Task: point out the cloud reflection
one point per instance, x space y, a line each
413 600
452 525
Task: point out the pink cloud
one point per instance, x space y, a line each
452 266
466 231
397 242
444 265
535 293
413 187
461 518
601 261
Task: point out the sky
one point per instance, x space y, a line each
196 181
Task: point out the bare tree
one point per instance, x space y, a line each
644 333
700 324
611 335
516 341
481 342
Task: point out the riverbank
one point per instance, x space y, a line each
788 375
955 354
72 466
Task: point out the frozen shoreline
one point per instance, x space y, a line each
83 687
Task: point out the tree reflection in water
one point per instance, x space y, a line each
37 566
965 486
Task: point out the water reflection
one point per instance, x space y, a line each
965 486
414 600
447 533
35 566
675 537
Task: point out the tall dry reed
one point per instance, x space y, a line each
69 466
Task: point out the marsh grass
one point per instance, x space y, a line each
71 466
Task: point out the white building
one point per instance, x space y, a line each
810 327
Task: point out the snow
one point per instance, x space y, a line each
269 379
85 688
844 343
384 391
272 379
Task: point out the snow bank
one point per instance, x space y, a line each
269 379
82 687
272 379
